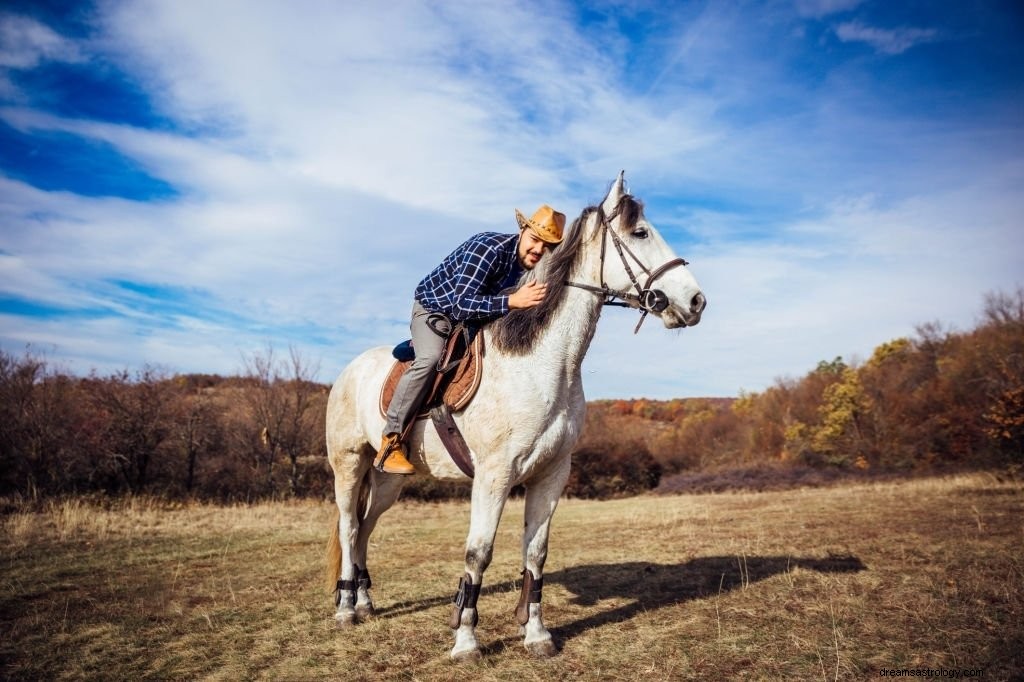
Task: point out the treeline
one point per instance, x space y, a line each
939 401
255 436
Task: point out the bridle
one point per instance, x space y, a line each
646 299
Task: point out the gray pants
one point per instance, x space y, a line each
417 380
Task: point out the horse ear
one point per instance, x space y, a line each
618 188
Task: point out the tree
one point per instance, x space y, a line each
1004 388
838 436
282 407
198 430
138 424
45 440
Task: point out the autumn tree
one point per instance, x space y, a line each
41 445
282 406
1004 388
838 436
138 423
197 429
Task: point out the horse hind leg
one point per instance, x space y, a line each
382 492
362 495
350 482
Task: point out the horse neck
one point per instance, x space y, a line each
572 326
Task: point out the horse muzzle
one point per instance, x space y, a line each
675 316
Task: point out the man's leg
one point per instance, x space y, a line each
412 387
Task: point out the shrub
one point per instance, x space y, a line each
606 473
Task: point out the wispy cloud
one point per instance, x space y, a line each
890 41
25 43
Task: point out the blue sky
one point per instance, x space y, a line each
184 183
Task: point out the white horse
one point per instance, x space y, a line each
524 420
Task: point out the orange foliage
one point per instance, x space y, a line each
939 400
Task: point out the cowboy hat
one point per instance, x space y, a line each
546 222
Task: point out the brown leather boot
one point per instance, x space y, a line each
391 457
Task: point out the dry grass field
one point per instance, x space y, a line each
832 583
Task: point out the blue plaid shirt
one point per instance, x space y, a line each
466 285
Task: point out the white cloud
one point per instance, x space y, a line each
887 41
24 43
382 99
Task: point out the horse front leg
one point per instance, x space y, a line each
541 499
488 502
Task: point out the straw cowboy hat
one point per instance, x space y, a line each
546 222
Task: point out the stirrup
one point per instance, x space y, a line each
387 445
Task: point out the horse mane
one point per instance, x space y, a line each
516 332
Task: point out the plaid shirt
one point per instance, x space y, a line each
466 285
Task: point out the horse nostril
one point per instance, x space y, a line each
698 303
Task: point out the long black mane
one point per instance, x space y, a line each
517 331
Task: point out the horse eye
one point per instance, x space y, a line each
640 233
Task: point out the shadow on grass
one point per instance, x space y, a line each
646 586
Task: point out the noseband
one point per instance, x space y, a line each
646 299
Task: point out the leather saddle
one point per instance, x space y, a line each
458 372
455 384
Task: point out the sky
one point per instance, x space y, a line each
185 184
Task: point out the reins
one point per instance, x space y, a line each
646 299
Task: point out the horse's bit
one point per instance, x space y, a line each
646 299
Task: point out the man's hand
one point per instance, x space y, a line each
528 295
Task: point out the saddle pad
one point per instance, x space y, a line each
460 389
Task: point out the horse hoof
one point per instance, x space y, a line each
345 620
545 648
468 656
365 612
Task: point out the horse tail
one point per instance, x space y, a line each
333 568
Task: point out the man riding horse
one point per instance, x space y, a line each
467 286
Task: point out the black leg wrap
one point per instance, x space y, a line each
362 580
465 598
532 588
342 585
